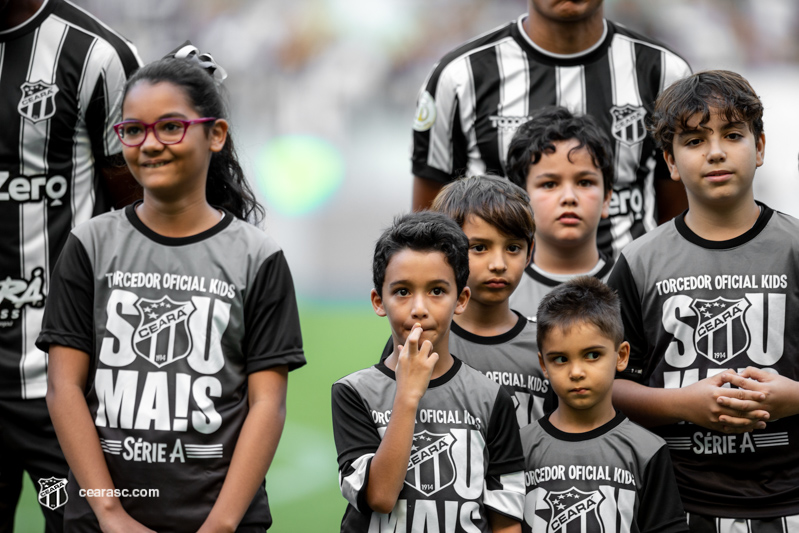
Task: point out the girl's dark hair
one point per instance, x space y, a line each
551 124
226 185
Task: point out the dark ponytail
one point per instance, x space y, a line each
226 185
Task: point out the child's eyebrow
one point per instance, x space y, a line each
700 128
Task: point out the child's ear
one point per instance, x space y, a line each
606 204
218 134
543 366
624 356
530 252
463 300
760 146
377 304
673 172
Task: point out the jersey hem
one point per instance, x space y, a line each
293 359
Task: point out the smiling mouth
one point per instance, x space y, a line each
154 165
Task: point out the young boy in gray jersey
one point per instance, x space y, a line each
587 467
496 217
710 300
425 443
565 163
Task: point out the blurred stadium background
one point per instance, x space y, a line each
322 98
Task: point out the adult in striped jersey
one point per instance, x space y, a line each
561 53
61 73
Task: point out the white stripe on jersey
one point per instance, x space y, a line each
571 88
352 485
622 66
674 68
468 110
440 156
509 500
113 73
514 73
82 178
49 39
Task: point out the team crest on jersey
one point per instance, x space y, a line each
721 332
573 504
628 123
430 466
163 334
38 100
53 492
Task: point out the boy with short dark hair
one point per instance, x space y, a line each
589 468
425 443
710 300
565 163
496 217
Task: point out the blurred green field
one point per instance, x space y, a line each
303 481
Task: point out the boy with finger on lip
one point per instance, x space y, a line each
425 442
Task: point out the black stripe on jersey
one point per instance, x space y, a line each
12 76
460 150
649 70
543 87
486 78
74 15
68 78
599 93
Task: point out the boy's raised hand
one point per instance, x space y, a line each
780 395
706 403
415 365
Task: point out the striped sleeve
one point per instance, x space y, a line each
356 440
504 485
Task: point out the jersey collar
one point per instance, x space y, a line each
762 220
588 55
47 7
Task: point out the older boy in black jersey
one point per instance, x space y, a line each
710 300
588 468
565 163
425 443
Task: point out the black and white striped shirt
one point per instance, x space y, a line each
61 75
478 94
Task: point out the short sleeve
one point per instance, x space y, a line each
622 280
68 314
357 441
660 509
504 489
440 148
272 334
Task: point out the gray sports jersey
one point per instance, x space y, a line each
693 308
510 359
616 478
173 327
536 283
466 457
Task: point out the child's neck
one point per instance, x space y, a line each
723 224
487 320
177 219
558 260
571 420
444 363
